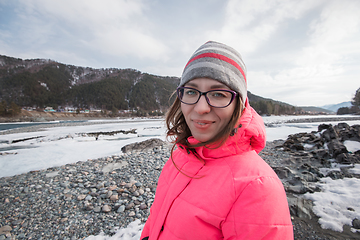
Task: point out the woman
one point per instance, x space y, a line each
216 186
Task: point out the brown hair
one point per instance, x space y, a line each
178 131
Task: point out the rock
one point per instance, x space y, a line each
88 198
143 146
121 209
329 134
114 197
345 158
283 172
309 177
311 169
97 209
343 125
321 154
109 194
143 206
130 205
5 230
336 148
356 223
300 207
114 166
81 197
100 185
323 126
335 175
136 194
106 208
298 189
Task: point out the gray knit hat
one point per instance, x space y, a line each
219 62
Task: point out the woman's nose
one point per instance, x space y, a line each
202 107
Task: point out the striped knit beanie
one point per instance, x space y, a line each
219 62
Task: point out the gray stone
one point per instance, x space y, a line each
143 146
106 208
121 209
356 223
97 209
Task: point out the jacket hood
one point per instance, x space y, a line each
249 135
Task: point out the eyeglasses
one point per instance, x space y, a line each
216 98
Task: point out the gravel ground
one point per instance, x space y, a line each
81 199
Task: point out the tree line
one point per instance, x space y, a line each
9 110
52 87
355 108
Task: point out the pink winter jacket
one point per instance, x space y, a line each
232 194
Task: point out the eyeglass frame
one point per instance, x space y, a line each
233 94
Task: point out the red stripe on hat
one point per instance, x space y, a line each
221 57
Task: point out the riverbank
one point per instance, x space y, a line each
76 200
40 116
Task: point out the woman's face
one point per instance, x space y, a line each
204 121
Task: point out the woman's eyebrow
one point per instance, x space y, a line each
216 86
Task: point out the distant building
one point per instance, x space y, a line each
49 109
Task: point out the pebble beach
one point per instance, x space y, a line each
77 200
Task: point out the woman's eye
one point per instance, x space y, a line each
190 92
219 94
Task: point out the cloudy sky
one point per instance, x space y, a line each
303 52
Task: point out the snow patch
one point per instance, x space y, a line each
338 202
132 232
352 146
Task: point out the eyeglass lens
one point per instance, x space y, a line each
215 98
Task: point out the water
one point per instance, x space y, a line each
7 126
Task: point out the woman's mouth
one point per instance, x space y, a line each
202 123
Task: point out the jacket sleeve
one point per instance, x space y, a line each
260 212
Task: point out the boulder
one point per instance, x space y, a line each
345 158
323 126
283 172
336 148
321 154
329 134
143 146
356 223
300 207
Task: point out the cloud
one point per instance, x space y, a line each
295 48
110 27
250 23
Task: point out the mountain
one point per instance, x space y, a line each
335 107
267 106
43 83
317 110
